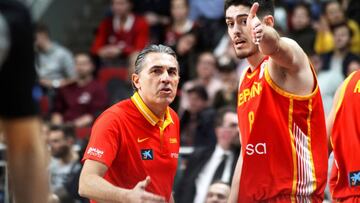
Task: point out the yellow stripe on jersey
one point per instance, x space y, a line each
309 144
342 92
284 93
293 150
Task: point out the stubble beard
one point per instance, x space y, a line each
245 54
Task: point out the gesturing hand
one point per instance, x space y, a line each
139 195
254 24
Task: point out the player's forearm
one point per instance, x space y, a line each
96 188
235 184
285 52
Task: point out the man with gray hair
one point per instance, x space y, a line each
137 140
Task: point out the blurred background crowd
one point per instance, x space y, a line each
85 53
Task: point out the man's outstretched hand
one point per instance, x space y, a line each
254 24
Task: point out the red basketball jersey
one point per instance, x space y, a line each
284 144
345 139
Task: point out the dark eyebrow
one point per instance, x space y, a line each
171 68
155 67
238 16
160 67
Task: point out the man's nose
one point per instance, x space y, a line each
237 29
165 77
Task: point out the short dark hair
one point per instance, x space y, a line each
266 7
343 24
227 66
327 3
42 28
304 5
68 130
219 120
200 91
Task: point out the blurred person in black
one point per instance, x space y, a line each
18 106
211 163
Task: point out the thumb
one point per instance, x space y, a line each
146 181
142 184
253 10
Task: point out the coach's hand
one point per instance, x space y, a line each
139 195
254 24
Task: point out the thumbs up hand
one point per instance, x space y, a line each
254 24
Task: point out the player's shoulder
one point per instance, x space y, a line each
117 110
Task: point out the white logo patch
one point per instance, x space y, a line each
259 148
92 151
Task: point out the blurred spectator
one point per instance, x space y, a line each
211 163
301 28
186 55
209 15
211 9
78 103
64 160
280 16
352 8
354 65
334 15
120 35
218 192
157 15
227 96
206 67
180 23
197 121
335 65
55 65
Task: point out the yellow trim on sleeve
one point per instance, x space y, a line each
342 91
289 95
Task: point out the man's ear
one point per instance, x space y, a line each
135 80
269 20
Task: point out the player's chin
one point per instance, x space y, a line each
166 100
243 53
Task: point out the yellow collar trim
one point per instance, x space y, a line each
149 115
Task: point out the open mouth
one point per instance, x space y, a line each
166 90
239 43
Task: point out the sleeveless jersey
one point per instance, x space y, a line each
345 139
284 145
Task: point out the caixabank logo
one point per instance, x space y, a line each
147 154
354 178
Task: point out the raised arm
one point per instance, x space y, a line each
284 51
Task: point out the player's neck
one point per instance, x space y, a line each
255 60
158 111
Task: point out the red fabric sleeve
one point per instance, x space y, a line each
101 36
141 36
105 139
